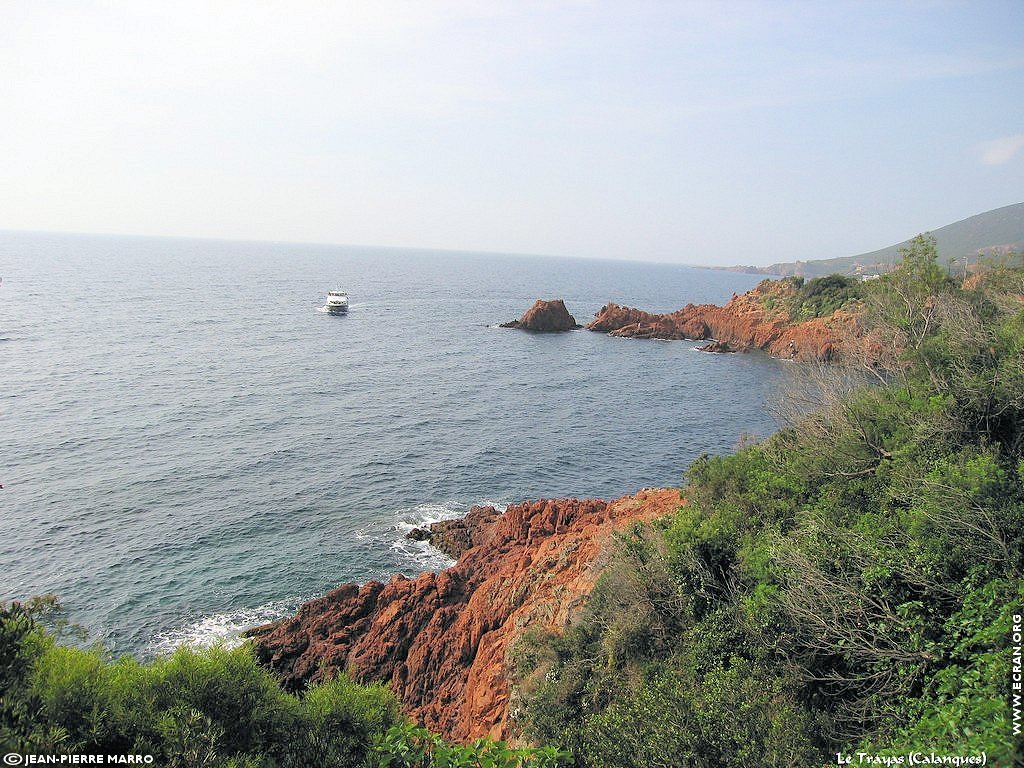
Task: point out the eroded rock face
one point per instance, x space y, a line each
744 323
545 316
441 639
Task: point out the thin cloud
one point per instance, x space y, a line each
1002 150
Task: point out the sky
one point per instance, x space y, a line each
695 132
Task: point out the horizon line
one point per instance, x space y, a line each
434 249
322 244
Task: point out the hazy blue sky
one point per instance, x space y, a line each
716 132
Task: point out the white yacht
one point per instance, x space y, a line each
337 302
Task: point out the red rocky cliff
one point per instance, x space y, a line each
748 321
441 639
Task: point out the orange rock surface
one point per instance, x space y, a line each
441 639
744 323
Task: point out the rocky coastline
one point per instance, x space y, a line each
752 320
755 320
442 639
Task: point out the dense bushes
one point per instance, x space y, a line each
209 707
819 297
845 585
822 296
408 746
212 707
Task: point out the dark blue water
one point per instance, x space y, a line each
189 446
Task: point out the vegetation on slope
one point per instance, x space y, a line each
819 297
216 708
846 585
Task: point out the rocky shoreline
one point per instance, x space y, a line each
441 639
752 320
755 320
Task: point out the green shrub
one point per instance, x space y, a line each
343 720
407 746
822 296
210 707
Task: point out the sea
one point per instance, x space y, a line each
190 446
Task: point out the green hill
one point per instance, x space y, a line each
997 231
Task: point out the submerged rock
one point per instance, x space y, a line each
716 346
453 537
545 316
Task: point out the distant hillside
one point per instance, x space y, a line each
998 231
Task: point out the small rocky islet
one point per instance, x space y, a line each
545 316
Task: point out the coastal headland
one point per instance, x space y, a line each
442 639
764 318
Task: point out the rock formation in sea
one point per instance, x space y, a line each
753 320
717 346
547 316
442 639
453 537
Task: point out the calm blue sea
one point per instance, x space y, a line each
189 446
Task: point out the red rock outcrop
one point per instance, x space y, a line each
546 316
753 320
441 639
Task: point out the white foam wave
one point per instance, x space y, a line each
222 628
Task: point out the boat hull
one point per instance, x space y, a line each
337 302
